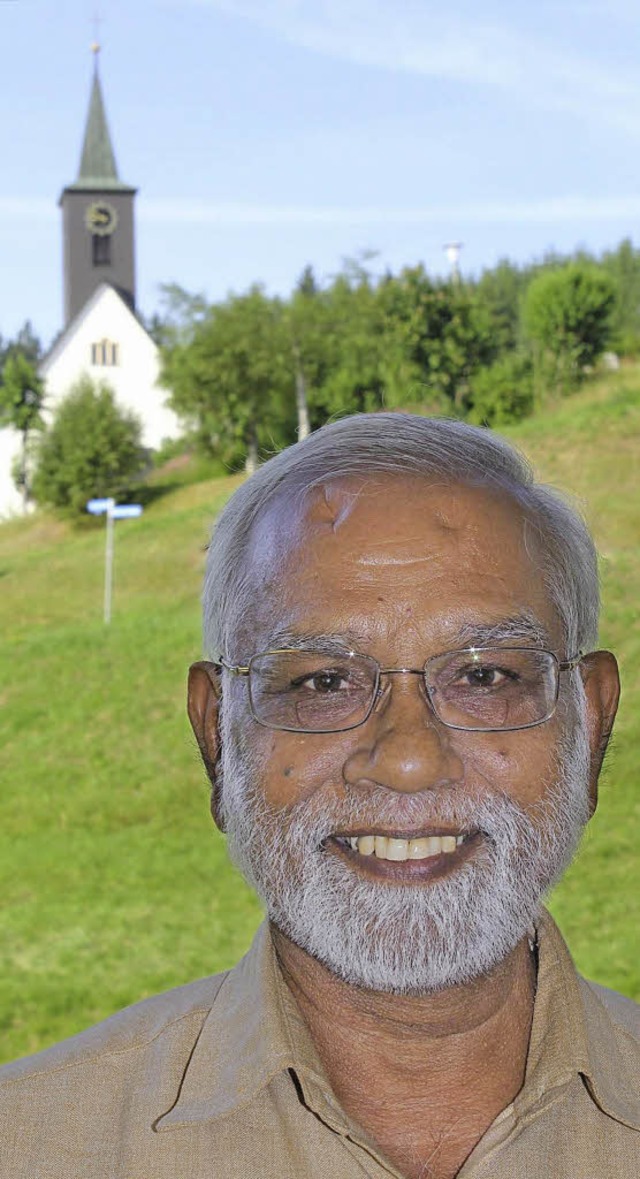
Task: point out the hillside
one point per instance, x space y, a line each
114 883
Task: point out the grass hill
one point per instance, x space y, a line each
114 883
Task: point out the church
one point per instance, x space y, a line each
102 335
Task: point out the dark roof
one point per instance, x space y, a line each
98 169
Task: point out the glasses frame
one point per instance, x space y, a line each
244 671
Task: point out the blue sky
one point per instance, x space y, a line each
266 134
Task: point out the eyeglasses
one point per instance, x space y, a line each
481 689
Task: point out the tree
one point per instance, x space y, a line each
567 315
311 328
21 397
25 342
351 380
436 336
623 267
181 313
231 376
92 449
501 290
503 392
396 342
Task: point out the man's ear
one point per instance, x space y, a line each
599 671
204 693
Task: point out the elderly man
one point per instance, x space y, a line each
403 734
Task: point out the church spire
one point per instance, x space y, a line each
98 169
97 217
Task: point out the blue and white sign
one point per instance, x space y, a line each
126 511
113 511
97 507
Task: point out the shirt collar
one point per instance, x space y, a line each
244 1043
251 1035
572 1034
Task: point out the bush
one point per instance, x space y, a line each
503 392
567 315
92 449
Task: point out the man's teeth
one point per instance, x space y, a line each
386 848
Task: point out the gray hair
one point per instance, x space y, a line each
403 445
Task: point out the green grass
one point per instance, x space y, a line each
115 884
590 445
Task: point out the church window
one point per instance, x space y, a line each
105 353
101 244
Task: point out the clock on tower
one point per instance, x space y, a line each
100 217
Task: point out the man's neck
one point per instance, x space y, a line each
424 1071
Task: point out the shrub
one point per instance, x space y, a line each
92 448
567 315
502 392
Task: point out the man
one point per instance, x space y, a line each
403 731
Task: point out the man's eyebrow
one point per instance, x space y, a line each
522 627
329 644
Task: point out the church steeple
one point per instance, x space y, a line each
97 215
98 162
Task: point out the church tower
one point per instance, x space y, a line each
97 217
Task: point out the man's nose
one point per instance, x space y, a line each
403 746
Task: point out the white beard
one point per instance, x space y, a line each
405 939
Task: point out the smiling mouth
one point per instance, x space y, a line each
398 849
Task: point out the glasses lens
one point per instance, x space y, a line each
493 688
311 692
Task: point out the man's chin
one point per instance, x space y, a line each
402 940
408 980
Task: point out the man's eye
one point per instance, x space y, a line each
328 681
486 677
322 681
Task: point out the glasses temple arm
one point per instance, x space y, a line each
569 664
220 662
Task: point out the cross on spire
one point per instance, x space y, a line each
96 21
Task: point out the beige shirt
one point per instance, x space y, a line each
220 1079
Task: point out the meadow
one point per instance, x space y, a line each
115 884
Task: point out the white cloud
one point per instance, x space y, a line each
411 36
29 209
550 211
406 37
188 211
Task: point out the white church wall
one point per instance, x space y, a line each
106 321
10 449
107 342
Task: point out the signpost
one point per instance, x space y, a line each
113 511
98 506
126 511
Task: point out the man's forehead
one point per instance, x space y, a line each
387 520
336 556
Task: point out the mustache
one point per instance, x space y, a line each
308 825
304 827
